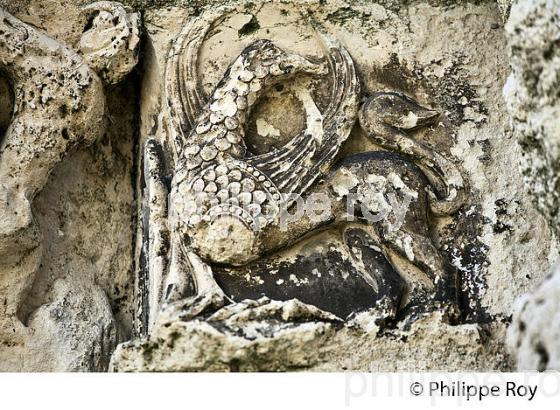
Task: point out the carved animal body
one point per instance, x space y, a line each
224 201
384 248
385 117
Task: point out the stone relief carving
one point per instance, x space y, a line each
229 208
51 85
57 104
110 40
297 199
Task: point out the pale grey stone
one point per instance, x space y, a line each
532 93
534 334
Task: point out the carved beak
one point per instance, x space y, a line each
417 118
310 65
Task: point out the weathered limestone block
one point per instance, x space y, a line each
173 238
533 99
245 338
533 95
535 332
57 269
75 332
58 102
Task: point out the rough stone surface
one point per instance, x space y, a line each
534 334
532 92
110 40
64 288
245 339
505 8
92 250
533 98
493 236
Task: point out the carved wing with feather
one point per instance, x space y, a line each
309 154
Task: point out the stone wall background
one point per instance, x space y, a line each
83 302
532 93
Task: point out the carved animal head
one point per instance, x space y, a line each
396 110
264 56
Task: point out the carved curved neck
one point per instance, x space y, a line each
236 95
225 97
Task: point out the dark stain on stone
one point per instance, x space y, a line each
327 280
395 76
341 15
454 93
463 246
249 27
501 213
173 337
543 357
148 350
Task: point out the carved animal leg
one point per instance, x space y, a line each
210 297
387 284
203 277
191 289
421 253
179 283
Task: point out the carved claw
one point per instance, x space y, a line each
194 307
204 278
208 297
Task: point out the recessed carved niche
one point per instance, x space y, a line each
294 182
260 186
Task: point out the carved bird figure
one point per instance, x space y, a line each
225 201
224 195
